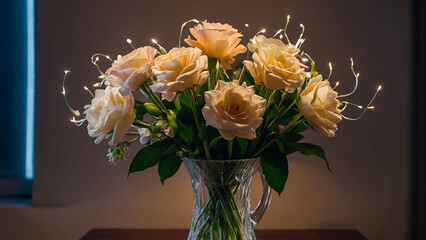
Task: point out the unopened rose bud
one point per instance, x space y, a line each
171 117
152 109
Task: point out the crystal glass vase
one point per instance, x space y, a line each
221 198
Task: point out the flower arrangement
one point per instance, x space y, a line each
201 109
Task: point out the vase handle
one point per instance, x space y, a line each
264 202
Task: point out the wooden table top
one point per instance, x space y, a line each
170 234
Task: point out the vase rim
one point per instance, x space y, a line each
222 160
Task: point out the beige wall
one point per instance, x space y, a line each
75 189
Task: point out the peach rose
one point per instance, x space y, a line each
131 70
178 70
275 65
217 40
236 111
110 110
319 105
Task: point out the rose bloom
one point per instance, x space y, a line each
110 110
131 70
319 105
275 65
236 111
217 40
260 41
178 70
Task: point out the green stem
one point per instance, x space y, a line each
240 78
217 72
212 62
220 230
142 124
229 213
267 93
197 122
262 90
230 142
153 96
176 103
270 98
295 124
132 133
281 114
135 139
203 226
265 146
203 211
212 231
283 96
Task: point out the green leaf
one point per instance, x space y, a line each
148 156
168 105
271 114
185 116
236 73
293 137
185 132
239 64
286 119
169 163
140 110
243 145
214 141
275 168
310 149
301 127
218 150
254 142
248 78
183 99
203 88
280 146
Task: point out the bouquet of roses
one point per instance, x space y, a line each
199 108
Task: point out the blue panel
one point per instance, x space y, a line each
17 91
30 108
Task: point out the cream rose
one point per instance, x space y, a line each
110 110
178 70
319 105
217 40
236 111
275 65
131 70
